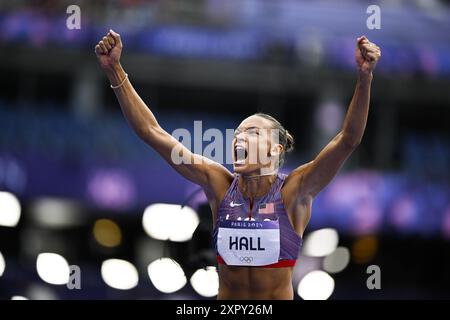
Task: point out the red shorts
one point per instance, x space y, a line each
279 264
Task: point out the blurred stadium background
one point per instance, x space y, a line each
77 187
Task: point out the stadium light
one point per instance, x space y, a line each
166 275
205 282
119 274
170 222
53 268
337 261
2 264
10 209
321 242
316 285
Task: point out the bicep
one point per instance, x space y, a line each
317 174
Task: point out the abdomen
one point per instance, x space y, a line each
255 283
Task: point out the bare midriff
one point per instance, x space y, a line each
255 283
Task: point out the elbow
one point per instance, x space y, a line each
142 132
354 144
145 132
350 141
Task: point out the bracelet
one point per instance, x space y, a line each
121 84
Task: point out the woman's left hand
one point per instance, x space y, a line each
367 55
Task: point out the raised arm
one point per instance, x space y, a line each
312 177
194 167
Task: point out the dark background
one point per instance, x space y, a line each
64 141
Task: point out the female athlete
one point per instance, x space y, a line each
259 214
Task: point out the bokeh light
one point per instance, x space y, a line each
56 213
337 261
364 249
107 233
119 274
166 275
53 268
316 285
205 281
170 222
321 242
10 209
2 264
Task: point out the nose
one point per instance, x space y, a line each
240 137
240 140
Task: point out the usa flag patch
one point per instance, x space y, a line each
266 208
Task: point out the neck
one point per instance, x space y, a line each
253 186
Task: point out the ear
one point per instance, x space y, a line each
276 150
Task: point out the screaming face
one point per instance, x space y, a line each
254 147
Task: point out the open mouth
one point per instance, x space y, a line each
240 154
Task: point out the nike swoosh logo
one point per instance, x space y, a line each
232 204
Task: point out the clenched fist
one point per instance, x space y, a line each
109 49
367 55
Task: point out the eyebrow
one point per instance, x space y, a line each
253 127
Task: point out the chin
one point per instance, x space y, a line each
245 168
239 168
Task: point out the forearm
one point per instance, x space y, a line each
357 113
137 113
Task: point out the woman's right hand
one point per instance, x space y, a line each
109 49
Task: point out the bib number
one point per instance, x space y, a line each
249 243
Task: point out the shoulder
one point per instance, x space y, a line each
219 181
296 177
217 173
292 187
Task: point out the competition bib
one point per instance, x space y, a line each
249 243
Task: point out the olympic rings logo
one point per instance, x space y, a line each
246 259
